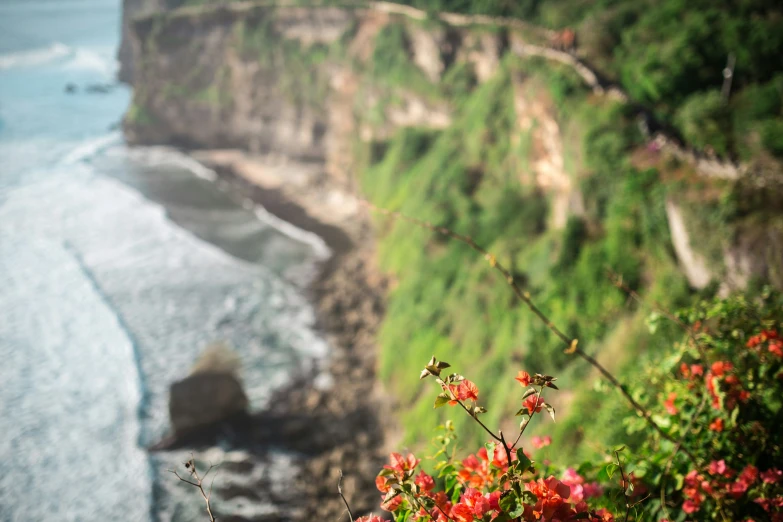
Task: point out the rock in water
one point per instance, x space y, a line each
212 393
204 399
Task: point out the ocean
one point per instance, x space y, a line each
117 267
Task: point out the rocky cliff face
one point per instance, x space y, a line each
282 80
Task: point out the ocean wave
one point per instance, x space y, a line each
32 57
90 148
98 60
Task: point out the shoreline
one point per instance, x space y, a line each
350 420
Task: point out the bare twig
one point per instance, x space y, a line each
571 343
199 481
340 491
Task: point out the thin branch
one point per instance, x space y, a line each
669 463
475 417
624 485
198 484
538 400
340 491
571 344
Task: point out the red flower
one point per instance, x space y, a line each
776 347
402 464
382 484
477 502
523 378
462 513
424 481
467 390
717 425
771 476
393 504
531 404
689 506
720 367
463 391
370 518
697 369
750 474
669 404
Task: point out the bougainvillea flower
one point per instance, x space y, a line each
531 404
401 464
523 378
370 518
717 467
771 476
392 504
689 506
541 442
669 404
424 481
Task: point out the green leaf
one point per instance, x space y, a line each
521 411
522 463
529 498
490 450
520 509
441 400
507 502
581 516
528 393
447 470
551 410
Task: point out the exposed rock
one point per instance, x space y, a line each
693 264
204 399
536 117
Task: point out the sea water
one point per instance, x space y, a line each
117 267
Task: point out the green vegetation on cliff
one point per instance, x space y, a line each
474 177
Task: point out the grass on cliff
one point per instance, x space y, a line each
449 302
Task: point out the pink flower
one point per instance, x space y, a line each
717 467
689 506
541 442
771 476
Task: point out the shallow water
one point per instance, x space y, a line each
117 267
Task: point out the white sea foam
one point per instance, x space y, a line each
165 156
90 148
97 60
32 57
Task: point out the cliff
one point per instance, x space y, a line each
483 125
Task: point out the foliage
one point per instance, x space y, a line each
499 482
468 177
718 391
704 121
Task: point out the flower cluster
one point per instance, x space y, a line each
724 413
499 481
768 338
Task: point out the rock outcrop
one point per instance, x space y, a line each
204 399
